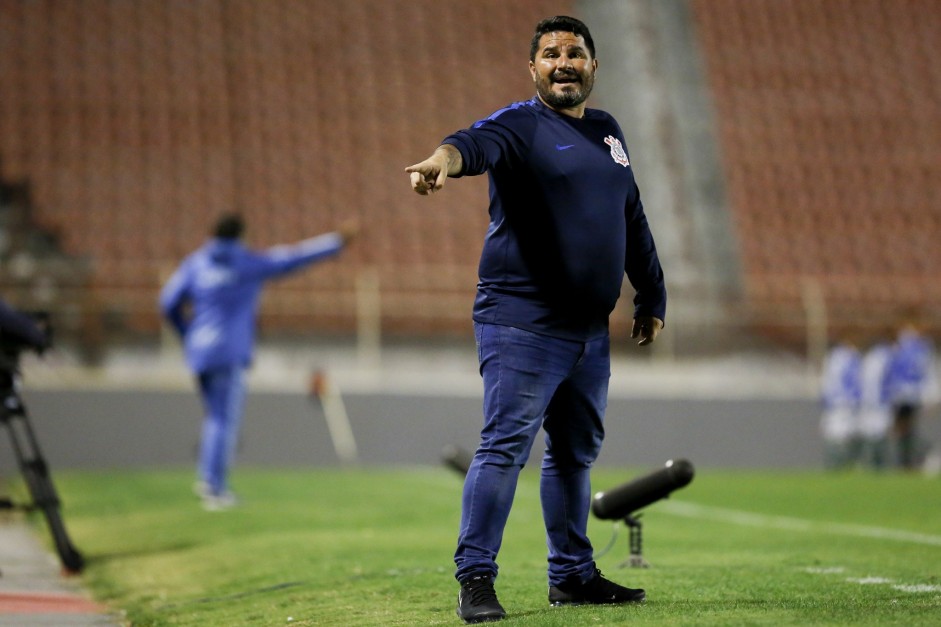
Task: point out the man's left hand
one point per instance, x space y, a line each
647 328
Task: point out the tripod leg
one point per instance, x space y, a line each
47 500
72 560
39 482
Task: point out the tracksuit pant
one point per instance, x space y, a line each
223 392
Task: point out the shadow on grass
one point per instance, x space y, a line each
104 558
234 596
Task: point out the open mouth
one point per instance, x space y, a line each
565 79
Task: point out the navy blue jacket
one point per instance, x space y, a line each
566 222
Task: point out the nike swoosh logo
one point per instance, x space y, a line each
561 147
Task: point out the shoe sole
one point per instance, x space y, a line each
481 619
491 618
576 603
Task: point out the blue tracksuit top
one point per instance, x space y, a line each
221 283
566 222
911 371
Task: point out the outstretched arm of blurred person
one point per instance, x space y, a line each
429 176
285 258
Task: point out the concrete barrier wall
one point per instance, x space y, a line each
122 429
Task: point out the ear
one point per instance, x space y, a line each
594 65
532 70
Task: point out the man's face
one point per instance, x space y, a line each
563 70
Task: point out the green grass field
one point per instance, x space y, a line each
373 547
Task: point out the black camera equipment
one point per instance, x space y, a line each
622 502
29 457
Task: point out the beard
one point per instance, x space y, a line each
574 95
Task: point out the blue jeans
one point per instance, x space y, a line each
532 381
223 392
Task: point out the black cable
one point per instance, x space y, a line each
614 537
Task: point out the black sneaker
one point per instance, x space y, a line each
595 591
477 601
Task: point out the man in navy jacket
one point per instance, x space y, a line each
566 224
212 302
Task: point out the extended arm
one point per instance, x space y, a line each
280 260
428 176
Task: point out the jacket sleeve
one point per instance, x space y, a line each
173 298
642 264
280 260
501 138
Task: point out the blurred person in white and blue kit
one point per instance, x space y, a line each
875 406
840 397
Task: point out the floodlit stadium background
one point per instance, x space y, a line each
788 153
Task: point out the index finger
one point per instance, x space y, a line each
418 183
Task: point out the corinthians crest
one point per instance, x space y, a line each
617 150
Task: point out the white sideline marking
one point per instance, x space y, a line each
828 570
921 587
749 519
868 581
911 588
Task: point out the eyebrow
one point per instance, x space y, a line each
555 48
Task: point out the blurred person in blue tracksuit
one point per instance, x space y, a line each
913 383
840 397
212 302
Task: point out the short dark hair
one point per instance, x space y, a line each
564 24
229 226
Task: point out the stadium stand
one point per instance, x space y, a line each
136 123
830 127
